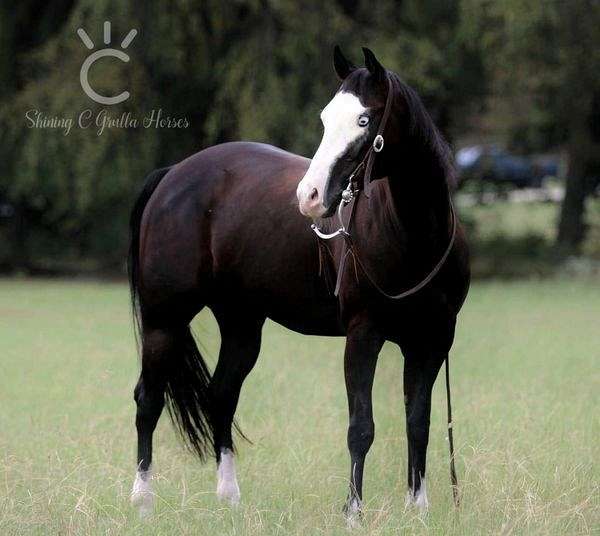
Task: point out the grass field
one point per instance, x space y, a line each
525 386
516 240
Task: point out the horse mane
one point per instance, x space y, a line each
429 141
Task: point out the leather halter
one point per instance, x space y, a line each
367 162
350 195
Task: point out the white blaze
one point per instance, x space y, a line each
340 121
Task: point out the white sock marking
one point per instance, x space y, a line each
353 513
419 499
227 484
141 494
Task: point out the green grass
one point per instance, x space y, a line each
515 240
525 387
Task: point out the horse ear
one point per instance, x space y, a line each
341 65
373 65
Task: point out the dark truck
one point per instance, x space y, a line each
493 165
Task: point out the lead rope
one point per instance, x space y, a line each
453 478
424 282
349 197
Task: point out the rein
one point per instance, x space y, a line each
350 196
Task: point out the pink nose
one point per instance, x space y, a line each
309 201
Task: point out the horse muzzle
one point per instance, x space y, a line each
310 201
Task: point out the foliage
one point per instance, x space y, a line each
261 70
250 69
545 59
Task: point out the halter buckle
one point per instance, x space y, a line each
347 194
378 143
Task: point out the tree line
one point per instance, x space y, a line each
261 70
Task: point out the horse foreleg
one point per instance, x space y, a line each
362 349
420 372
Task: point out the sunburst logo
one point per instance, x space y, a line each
103 53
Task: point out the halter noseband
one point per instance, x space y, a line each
352 190
350 194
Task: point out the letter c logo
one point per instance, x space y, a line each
83 76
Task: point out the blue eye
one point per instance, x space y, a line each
363 120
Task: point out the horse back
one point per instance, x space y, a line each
223 228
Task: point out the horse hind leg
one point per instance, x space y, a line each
172 369
240 346
149 395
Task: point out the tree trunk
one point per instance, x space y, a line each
571 227
20 239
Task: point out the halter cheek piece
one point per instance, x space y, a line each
349 196
352 190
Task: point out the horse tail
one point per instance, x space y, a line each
187 378
188 395
133 257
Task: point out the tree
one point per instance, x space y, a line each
547 54
252 69
580 39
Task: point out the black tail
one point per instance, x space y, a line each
188 377
187 393
133 258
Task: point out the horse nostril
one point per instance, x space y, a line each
314 194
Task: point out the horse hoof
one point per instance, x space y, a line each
418 500
353 513
230 492
144 503
227 484
141 495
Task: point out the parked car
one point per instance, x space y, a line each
493 165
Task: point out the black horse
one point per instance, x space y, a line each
220 230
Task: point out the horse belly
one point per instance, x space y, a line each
272 265
314 317
284 284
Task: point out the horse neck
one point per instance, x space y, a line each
417 211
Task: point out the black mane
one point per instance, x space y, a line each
428 139
429 150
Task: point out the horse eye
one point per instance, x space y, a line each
363 120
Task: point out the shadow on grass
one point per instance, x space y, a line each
499 256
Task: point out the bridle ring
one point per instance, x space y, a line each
378 143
